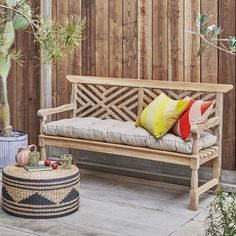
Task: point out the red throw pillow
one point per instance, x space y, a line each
197 112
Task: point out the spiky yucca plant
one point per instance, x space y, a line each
17 15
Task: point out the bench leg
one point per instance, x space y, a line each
194 196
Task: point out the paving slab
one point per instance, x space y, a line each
192 228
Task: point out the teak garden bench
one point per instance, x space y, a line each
124 99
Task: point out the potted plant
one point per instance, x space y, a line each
55 39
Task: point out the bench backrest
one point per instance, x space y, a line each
124 99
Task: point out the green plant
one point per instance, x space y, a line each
209 35
34 158
221 218
55 39
66 161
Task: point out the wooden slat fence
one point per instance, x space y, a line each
110 48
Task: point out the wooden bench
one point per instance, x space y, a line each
124 99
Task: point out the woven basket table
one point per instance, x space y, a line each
41 195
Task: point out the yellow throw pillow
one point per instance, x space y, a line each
161 114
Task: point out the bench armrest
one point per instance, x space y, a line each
51 111
198 128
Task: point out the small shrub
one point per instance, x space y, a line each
221 219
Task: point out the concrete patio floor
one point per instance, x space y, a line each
119 205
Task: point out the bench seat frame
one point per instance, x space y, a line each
194 161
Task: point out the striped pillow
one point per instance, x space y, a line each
197 112
161 114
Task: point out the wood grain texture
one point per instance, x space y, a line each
209 59
130 41
175 85
115 38
102 38
45 67
34 84
62 86
88 43
75 59
191 42
160 40
144 39
227 73
54 67
22 83
175 40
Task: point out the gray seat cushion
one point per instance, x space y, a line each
114 131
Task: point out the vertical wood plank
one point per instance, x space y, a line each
115 38
34 84
130 38
54 66
144 39
85 34
62 67
22 92
75 59
46 68
191 42
88 43
160 40
175 40
102 38
209 59
227 73
92 41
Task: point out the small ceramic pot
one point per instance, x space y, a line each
22 156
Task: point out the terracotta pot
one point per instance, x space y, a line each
22 157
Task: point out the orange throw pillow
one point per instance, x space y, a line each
197 112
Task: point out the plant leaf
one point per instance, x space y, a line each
192 32
202 19
201 50
232 44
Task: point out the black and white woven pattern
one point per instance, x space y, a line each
42 197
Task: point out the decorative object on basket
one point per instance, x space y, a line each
161 114
66 161
47 162
22 156
34 158
197 112
54 165
39 167
49 194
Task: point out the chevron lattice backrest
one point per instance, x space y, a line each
124 99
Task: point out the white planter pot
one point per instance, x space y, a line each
9 147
